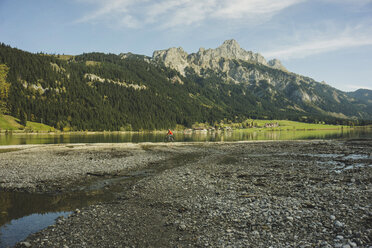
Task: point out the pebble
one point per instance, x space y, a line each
183 227
352 244
25 244
338 224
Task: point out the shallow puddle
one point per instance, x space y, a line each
351 167
323 155
22 214
19 229
356 157
344 162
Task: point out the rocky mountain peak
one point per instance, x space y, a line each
178 59
276 64
173 57
230 46
230 49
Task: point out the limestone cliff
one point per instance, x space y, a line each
219 59
175 58
235 65
276 64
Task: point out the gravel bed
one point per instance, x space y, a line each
258 194
42 168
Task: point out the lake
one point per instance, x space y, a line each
198 136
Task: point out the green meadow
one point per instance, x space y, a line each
272 125
294 125
9 123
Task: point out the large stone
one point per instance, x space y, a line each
338 224
25 244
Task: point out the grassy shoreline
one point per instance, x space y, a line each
9 124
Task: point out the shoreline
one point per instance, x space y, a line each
284 128
240 194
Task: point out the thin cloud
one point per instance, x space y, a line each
175 13
106 9
322 43
353 2
319 46
237 9
189 13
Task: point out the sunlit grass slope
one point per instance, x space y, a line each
285 125
10 123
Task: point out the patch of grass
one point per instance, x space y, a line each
277 134
294 125
64 57
8 122
34 126
11 123
306 126
92 63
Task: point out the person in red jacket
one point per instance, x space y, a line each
170 135
169 132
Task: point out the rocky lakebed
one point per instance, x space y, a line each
240 194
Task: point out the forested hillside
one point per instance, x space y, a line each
99 91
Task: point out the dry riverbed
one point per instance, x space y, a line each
255 194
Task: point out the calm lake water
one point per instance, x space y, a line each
236 135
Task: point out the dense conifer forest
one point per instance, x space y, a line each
97 91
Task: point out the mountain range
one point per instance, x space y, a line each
267 79
96 91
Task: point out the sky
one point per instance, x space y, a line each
327 40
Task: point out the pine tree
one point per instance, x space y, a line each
23 118
4 88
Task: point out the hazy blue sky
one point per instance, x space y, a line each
328 40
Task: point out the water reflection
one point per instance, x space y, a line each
24 213
19 229
135 137
14 205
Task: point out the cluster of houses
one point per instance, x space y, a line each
227 128
271 124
